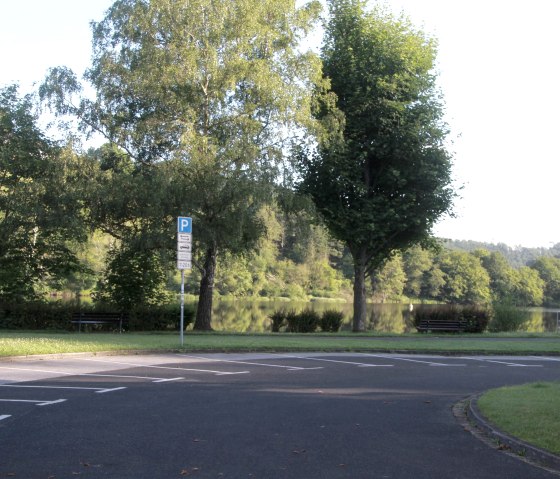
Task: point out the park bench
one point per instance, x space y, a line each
99 318
441 325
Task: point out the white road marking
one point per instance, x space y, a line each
396 358
103 391
517 365
361 365
289 368
545 358
63 373
36 402
6 416
217 373
98 390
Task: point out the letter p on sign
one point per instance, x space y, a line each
184 224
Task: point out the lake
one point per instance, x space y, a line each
244 315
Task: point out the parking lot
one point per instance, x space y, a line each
306 415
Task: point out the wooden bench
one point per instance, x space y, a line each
99 318
441 325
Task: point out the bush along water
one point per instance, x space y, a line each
507 317
471 318
58 316
307 321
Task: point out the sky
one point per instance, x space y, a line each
498 69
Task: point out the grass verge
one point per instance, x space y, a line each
30 343
530 412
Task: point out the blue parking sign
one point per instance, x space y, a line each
184 224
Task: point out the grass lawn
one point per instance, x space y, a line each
16 343
530 412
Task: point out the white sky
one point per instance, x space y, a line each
499 72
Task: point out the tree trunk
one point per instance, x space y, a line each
203 321
360 313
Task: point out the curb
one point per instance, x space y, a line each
472 419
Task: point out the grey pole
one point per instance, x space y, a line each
182 327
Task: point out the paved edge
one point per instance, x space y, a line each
472 420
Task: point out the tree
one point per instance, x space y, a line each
381 174
549 271
466 280
216 88
529 287
40 202
388 283
417 262
503 277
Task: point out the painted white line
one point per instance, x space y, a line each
48 403
167 380
395 358
103 391
545 358
290 368
6 416
217 373
97 390
232 374
63 373
517 365
48 387
36 402
361 365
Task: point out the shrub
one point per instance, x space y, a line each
507 317
474 318
305 322
278 320
331 320
159 318
43 315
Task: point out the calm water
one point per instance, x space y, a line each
253 316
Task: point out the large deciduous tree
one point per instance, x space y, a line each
381 175
217 87
40 217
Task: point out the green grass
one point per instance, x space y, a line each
29 343
530 412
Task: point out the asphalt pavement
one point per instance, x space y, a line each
307 415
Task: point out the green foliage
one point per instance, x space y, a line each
58 315
307 321
465 279
331 320
40 203
133 277
549 271
278 319
474 319
381 175
159 317
507 317
389 281
214 92
36 315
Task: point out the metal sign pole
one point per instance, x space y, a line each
182 326
184 259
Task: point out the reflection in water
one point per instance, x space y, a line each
244 315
